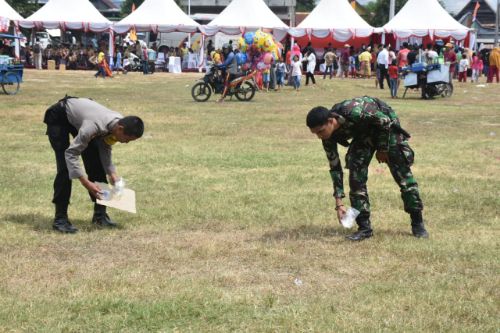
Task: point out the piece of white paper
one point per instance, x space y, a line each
125 202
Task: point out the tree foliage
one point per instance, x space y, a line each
24 7
305 5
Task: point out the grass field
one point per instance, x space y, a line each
236 228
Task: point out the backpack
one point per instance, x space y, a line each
36 48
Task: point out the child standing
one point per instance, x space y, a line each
352 65
296 72
266 78
393 78
477 67
280 74
462 68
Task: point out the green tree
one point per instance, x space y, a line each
305 5
24 7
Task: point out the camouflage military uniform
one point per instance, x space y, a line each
370 125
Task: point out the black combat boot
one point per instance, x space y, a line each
417 225
101 218
61 222
364 231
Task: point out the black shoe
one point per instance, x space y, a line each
64 226
360 235
418 230
103 220
417 225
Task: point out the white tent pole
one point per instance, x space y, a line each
111 45
497 22
392 9
16 43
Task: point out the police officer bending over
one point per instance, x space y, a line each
372 128
95 129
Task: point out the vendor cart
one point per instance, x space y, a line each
11 74
433 80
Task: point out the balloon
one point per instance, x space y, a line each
249 37
260 38
268 58
241 58
268 44
242 45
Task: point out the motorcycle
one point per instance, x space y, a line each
243 87
133 64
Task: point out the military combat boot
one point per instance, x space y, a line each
61 222
101 218
364 231
417 225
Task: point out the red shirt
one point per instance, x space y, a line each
393 72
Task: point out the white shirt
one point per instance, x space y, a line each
311 63
296 68
431 55
383 58
463 65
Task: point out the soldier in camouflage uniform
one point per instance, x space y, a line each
372 128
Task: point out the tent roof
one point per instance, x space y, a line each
333 16
157 15
6 11
67 14
240 15
425 17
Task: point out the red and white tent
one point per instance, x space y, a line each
7 14
246 15
67 15
424 18
333 20
157 16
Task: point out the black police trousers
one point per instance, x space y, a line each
58 131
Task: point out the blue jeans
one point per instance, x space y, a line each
394 87
280 77
296 81
145 67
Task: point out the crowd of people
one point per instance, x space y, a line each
382 62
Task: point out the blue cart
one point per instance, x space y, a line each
11 77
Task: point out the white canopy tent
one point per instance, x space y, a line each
421 18
157 16
244 15
333 18
67 15
7 14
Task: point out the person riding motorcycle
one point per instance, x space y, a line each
229 67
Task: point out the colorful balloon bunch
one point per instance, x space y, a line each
258 50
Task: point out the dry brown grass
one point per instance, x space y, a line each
234 205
